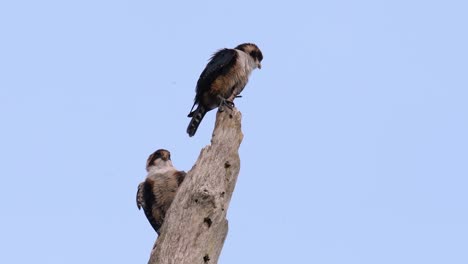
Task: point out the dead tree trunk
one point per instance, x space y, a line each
195 226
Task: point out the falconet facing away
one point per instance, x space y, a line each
156 193
223 79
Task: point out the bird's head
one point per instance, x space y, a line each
253 51
160 157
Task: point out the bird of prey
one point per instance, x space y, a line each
223 79
158 190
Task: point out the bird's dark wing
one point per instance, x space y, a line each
219 64
180 176
139 197
146 200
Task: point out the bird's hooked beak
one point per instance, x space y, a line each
259 65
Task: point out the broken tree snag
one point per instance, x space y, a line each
195 225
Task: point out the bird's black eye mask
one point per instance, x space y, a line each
256 54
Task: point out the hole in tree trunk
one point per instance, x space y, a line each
207 221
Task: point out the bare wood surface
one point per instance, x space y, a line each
195 226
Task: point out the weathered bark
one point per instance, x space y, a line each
195 226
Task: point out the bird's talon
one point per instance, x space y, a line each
229 104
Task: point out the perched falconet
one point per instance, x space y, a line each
223 79
156 193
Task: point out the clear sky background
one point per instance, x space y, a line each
356 127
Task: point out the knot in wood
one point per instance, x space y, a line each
205 198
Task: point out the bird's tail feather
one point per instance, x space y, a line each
197 117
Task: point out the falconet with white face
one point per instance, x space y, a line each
223 79
156 193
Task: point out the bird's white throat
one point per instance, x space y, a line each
161 167
246 60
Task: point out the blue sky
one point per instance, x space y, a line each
355 147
